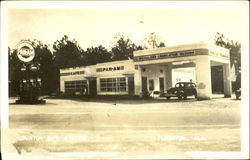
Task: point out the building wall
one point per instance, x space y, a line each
200 54
154 72
158 64
74 74
117 69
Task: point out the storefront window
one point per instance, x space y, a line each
113 84
75 86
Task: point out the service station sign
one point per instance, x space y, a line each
25 51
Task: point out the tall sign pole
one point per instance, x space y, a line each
30 77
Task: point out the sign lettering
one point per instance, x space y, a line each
165 55
72 73
117 68
180 54
25 51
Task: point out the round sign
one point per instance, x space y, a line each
25 51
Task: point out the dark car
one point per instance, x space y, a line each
238 93
182 90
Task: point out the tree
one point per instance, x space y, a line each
67 53
96 55
235 55
153 41
47 69
123 48
14 64
234 48
49 72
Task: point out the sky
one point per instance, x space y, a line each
97 26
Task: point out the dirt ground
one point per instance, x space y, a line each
103 128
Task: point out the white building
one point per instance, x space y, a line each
151 70
78 79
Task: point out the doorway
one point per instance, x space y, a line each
217 79
92 87
144 84
161 81
151 85
131 86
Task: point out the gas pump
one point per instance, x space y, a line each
30 75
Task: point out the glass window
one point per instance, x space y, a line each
113 84
75 86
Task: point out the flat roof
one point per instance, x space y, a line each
79 67
176 48
191 46
115 62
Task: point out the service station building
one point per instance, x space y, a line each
154 70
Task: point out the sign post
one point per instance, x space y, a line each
30 80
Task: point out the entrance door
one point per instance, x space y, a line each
217 79
92 87
131 86
151 85
161 81
144 84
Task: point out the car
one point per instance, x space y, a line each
155 94
182 90
238 93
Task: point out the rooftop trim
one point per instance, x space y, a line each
200 45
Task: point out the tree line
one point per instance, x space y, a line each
67 53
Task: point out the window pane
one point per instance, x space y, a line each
123 79
113 84
78 82
109 84
122 84
73 86
103 84
103 89
122 89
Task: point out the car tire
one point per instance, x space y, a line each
195 95
179 97
237 97
184 97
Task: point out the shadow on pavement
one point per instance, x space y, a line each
128 101
124 100
13 103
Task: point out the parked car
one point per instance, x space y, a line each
182 90
238 93
155 94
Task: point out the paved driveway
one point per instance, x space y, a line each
98 128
